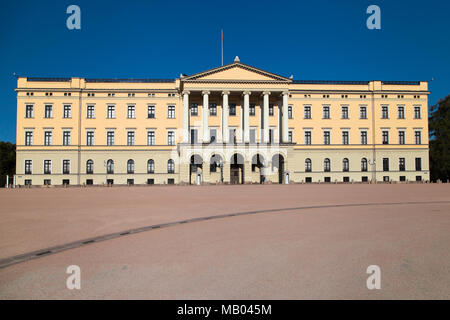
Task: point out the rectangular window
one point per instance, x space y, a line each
326 112
110 138
171 138
213 135
194 109
363 137
385 112
67 111
417 112
151 112
66 138
326 137
171 112
232 136
418 137
232 110
66 166
47 138
308 137
290 136
213 109
290 116
90 138
271 111
48 111
28 166
401 112
401 137
345 137
252 109
111 112
271 136
307 110
418 164
90 114
252 135
28 138
344 112
47 166
385 137
150 138
194 136
130 138
401 164
131 112
363 112
385 164
29 111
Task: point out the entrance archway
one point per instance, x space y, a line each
237 169
195 169
216 167
278 162
258 166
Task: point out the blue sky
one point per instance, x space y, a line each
313 40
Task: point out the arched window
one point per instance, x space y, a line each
89 166
151 166
326 165
308 165
130 166
363 164
170 166
345 165
110 167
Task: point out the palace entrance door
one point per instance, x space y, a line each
234 175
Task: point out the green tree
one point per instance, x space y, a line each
7 161
439 127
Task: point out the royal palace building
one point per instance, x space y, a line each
232 124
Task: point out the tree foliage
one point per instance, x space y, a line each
439 127
7 161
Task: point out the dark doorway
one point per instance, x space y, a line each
234 175
237 169
196 166
258 166
278 162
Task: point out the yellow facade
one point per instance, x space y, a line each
271 120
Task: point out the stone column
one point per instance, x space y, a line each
265 122
248 172
246 129
284 119
225 113
185 116
226 172
206 171
205 115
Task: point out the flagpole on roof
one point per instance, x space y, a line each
222 47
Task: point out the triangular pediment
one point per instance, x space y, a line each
236 71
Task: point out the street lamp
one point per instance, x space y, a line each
221 170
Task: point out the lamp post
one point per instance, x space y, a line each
221 170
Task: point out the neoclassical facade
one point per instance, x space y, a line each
232 124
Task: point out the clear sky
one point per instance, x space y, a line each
312 40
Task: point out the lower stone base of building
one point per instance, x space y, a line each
205 165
